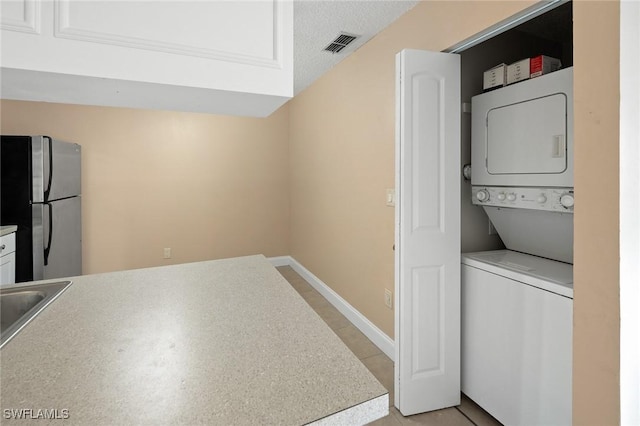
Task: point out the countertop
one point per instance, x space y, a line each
224 342
7 229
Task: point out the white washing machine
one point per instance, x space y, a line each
517 304
517 336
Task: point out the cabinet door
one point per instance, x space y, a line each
8 269
219 57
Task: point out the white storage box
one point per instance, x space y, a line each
495 77
519 71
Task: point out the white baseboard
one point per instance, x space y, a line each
280 260
377 336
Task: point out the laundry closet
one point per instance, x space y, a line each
484 274
517 203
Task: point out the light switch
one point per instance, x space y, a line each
391 197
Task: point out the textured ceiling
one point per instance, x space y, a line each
317 23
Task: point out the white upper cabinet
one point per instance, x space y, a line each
224 57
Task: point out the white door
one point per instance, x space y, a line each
427 277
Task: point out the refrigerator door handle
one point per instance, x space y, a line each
47 248
50 174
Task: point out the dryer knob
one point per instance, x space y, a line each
567 201
511 197
482 195
541 199
501 196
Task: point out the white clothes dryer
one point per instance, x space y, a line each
522 134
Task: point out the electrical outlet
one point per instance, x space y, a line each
388 298
167 253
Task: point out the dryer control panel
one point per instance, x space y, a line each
548 199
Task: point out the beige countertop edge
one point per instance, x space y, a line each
7 229
238 346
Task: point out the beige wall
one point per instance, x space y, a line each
596 272
342 154
206 186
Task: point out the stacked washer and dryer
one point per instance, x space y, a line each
517 304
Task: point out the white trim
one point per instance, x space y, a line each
377 336
280 260
629 219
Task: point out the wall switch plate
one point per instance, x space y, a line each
167 253
388 298
391 197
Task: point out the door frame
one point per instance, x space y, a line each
629 207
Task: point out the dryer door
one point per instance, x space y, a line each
522 135
528 137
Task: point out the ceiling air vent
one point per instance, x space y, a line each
340 42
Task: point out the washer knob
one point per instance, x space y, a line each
541 199
567 201
482 195
511 197
501 196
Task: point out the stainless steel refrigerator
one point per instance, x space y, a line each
40 193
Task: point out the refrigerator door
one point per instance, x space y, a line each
56 169
61 251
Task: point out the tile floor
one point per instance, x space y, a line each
466 414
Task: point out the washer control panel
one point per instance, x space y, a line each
550 199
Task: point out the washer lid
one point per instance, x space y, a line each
550 275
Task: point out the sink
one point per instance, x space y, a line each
19 305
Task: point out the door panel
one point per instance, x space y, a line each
427 322
427 359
